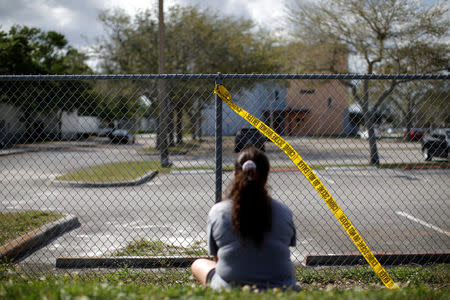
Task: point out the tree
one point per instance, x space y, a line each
130 46
413 98
197 41
422 104
385 35
435 113
25 50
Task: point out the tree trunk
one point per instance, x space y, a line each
196 122
409 118
369 116
374 157
192 124
170 126
198 126
179 126
159 125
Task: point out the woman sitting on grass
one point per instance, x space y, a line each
249 232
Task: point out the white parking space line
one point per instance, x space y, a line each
421 222
328 180
49 208
349 168
154 183
52 176
200 171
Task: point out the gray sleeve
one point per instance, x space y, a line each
293 242
212 246
284 215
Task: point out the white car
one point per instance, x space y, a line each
122 136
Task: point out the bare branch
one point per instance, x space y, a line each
352 86
385 94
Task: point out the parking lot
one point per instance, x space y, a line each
395 210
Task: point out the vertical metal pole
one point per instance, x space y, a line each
218 144
163 99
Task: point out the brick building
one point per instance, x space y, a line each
316 107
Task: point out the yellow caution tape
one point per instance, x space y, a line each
223 93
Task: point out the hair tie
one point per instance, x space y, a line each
249 164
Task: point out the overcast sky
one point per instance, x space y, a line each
77 19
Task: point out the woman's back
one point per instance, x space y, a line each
250 233
241 261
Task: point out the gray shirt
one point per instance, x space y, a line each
267 266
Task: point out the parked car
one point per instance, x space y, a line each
415 134
249 137
104 131
436 144
121 136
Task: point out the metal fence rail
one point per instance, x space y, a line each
139 160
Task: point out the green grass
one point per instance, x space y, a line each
57 289
145 247
15 224
351 283
182 148
114 172
438 275
131 170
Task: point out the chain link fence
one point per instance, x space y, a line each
139 160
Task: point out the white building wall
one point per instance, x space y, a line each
69 125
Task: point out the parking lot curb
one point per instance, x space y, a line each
391 259
153 262
36 239
420 167
16 151
141 180
8 152
21 149
146 262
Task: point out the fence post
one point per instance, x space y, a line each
218 137
163 123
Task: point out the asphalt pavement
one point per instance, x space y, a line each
120 222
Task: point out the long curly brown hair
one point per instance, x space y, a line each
252 209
